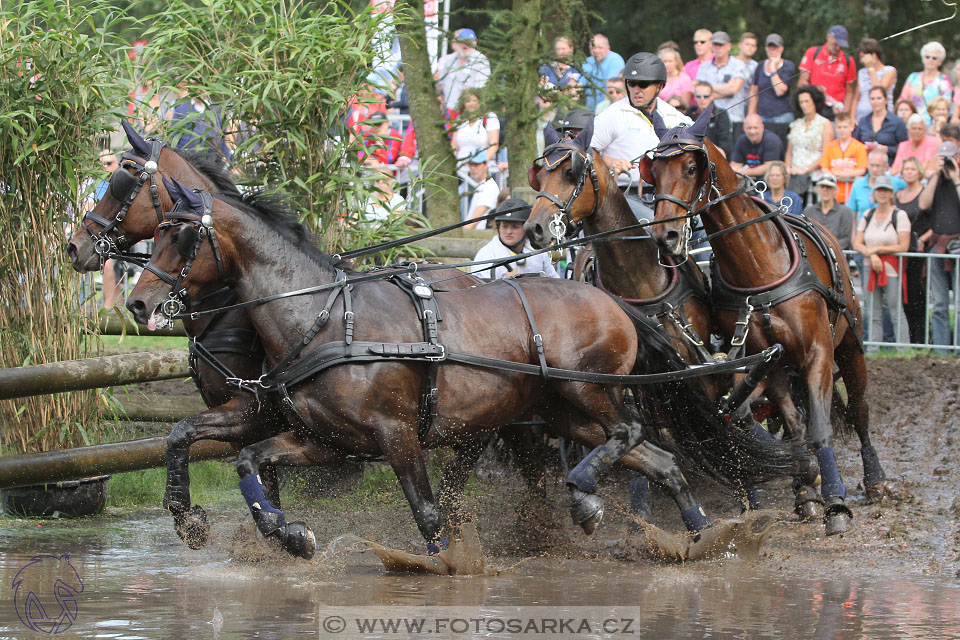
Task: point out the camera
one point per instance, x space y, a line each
949 164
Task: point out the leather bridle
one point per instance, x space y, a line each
178 300
562 224
125 188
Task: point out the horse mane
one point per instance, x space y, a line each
276 211
215 171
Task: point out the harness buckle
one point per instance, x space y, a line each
538 340
442 356
347 316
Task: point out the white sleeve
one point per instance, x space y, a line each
493 122
604 129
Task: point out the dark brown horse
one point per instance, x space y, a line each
672 294
778 279
369 403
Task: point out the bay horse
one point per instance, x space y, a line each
368 404
673 296
776 278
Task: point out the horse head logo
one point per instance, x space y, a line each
45 594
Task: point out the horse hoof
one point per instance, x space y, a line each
810 510
193 527
586 510
837 522
298 540
878 492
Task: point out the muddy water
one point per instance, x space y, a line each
139 581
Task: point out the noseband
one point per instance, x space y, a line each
582 165
125 188
179 299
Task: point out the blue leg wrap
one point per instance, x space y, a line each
640 496
753 497
584 475
252 490
872 471
435 548
759 433
694 518
831 486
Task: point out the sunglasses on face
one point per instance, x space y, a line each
702 96
639 84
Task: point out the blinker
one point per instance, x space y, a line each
187 240
122 184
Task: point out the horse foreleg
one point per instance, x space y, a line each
402 450
285 449
853 370
230 422
837 515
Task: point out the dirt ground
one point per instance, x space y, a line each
914 422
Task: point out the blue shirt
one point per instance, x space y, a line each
861 193
796 204
892 132
201 131
596 75
549 71
769 104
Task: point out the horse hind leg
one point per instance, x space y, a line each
853 370
285 449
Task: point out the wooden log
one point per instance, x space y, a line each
111 325
93 373
155 408
84 462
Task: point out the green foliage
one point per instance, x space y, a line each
212 482
283 73
58 82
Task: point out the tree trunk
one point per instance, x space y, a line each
522 75
437 162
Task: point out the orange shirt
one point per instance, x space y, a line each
834 158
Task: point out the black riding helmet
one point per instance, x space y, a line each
645 67
574 121
520 214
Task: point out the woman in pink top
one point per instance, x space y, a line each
918 145
678 82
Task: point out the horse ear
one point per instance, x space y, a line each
658 127
699 128
550 135
140 146
585 136
646 169
173 188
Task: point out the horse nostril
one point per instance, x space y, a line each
138 309
671 238
72 252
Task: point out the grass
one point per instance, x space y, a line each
212 482
135 344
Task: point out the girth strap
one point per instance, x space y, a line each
537 337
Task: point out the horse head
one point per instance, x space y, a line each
560 176
680 168
134 202
188 258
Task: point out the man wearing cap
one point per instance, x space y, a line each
941 198
770 90
601 66
837 218
728 77
623 132
510 241
861 193
829 67
573 123
483 199
464 68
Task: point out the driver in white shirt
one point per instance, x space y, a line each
510 241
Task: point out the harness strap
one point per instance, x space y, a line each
537 338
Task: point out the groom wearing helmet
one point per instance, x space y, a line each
511 240
623 131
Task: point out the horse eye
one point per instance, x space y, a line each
691 170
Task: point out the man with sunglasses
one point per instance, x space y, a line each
510 241
728 77
719 128
701 46
624 132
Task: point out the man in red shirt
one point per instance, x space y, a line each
829 67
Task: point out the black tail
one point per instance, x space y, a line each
695 431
